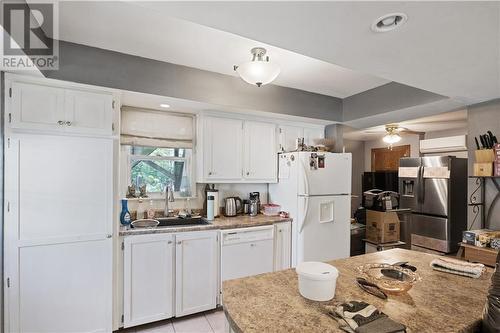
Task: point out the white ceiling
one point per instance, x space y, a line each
146 30
441 122
447 47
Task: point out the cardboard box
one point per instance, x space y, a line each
484 156
483 169
382 227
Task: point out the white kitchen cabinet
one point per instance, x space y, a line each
37 106
58 233
282 245
222 149
88 112
311 133
288 136
196 272
260 156
148 268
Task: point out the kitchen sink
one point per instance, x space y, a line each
180 222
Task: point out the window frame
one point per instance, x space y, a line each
161 195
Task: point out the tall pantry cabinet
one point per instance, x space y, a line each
58 207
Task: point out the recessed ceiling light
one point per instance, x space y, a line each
389 22
165 106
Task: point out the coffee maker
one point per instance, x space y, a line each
254 203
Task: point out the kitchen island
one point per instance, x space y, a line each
441 302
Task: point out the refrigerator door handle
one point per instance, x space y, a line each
420 189
306 180
306 209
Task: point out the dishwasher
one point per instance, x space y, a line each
246 251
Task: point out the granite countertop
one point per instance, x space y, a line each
223 222
441 302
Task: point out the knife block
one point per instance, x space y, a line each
485 156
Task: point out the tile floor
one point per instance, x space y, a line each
207 322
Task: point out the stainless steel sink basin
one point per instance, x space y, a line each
180 222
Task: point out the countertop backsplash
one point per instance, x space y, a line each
225 190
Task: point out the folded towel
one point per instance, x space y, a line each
361 317
459 267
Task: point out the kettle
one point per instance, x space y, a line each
232 206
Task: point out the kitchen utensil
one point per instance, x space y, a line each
212 191
256 197
317 280
373 273
210 207
477 143
371 288
145 223
246 206
232 206
483 143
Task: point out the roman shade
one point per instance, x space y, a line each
144 127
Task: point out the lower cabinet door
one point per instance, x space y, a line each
148 278
196 284
282 246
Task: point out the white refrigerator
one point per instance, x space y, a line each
315 188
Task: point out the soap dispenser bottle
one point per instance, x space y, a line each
125 218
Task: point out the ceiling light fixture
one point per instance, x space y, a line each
392 136
259 70
389 22
166 106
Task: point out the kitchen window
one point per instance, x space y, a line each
155 167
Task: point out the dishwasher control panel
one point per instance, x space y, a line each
245 235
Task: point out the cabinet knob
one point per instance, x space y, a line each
252 245
248 173
68 123
179 242
109 236
280 230
210 173
60 122
169 242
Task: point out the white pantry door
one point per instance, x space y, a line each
148 278
58 228
196 268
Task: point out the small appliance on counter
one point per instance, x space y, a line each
254 206
210 190
376 199
233 206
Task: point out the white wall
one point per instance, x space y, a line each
357 149
406 139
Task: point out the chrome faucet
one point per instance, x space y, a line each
169 197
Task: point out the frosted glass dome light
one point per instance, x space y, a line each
259 70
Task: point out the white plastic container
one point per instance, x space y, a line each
317 280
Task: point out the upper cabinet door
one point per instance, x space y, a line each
222 149
88 112
260 151
313 133
36 107
39 107
288 136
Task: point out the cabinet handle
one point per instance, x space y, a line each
109 236
60 122
68 123
179 242
169 242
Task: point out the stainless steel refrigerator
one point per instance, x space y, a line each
435 189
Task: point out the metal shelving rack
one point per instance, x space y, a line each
477 199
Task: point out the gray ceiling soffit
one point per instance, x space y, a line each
90 65
390 97
409 113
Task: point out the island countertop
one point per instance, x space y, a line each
219 223
441 302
